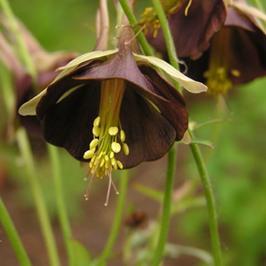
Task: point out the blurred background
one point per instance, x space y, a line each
236 164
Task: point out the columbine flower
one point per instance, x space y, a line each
237 53
25 88
192 23
113 109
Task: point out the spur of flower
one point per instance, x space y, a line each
192 24
114 108
237 53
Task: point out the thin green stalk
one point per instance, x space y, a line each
28 62
108 249
170 45
209 195
134 23
25 151
43 216
20 44
216 247
59 195
259 5
13 236
166 210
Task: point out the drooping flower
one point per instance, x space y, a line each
192 23
237 53
25 87
114 109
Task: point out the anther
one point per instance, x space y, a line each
125 149
94 143
116 147
96 121
113 131
122 135
88 154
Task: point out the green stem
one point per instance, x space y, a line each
216 247
209 195
43 216
26 153
62 213
59 194
20 44
169 42
13 236
134 23
108 249
166 210
259 5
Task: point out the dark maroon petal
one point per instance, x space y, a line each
192 33
148 134
174 110
235 18
121 66
247 54
53 94
244 51
67 123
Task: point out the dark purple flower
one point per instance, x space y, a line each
113 109
192 24
237 53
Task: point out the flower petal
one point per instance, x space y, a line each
85 58
192 30
172 73
121 66
67 123
148 134
174 110
29 108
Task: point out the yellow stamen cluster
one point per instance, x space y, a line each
109 139
150 21
218 80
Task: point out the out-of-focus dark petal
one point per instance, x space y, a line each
248 55
192 33
148 134
235 18
174 110
67 123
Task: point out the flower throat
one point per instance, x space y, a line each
108 136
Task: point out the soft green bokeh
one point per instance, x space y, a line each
237 165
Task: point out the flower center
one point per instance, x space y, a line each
108 136
219 75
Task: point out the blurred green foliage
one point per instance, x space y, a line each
237 164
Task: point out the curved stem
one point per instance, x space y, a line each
59 195
13 236
42 211
108 249
134 23
20 44
26 153
209 195
216 247
169 42
166 208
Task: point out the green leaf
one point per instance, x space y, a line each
149 192
80 255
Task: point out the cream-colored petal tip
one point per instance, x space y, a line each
170 73
29 108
